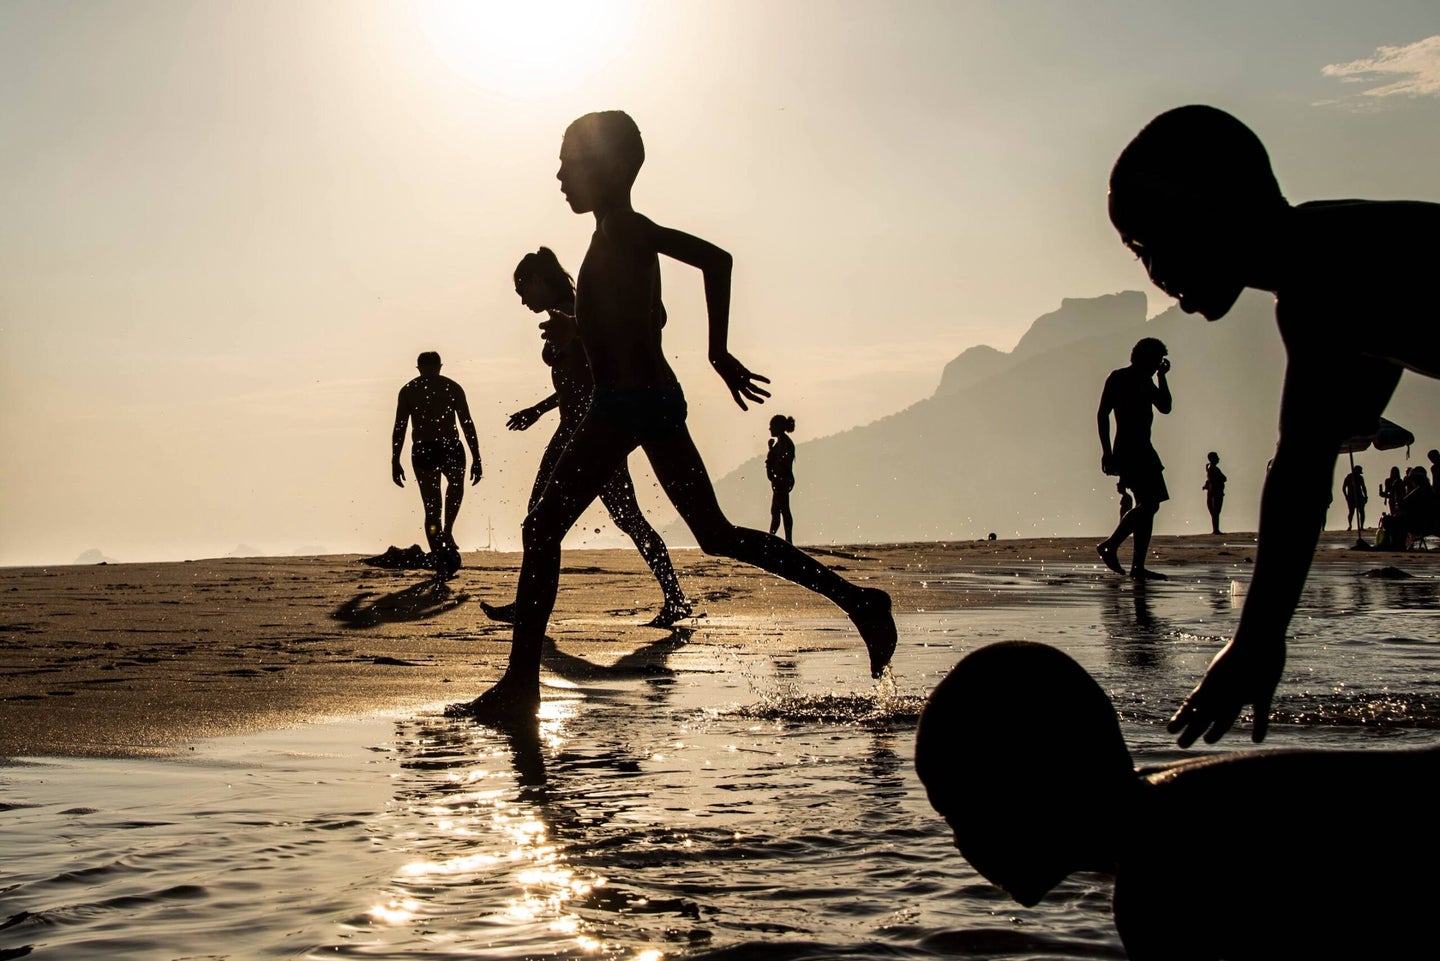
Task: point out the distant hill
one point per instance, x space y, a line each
94 556
245 550
1008 441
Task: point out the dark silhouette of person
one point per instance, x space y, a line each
1194 197
1433 456
993 768
1130 394
1353 489
430 404
639 403
1127 503
780 469
545 287
1214 490
1392 490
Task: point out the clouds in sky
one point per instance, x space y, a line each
1412 70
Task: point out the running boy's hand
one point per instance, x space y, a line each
1239 675
523 419
397 473
476 472
740 380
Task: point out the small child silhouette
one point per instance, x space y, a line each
780 469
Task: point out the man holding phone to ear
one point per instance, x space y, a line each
1130 394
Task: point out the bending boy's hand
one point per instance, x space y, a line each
476 472
397 473
1239 675
740 381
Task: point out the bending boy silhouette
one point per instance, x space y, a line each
1193 196
1130 394
545 286
638 402
1029 809
780 469
431 403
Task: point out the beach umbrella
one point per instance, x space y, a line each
1388 436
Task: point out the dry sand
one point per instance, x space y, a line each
127 659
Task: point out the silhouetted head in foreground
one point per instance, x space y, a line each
428 363
600 157
1213 457
1028 808
1188 196
542 283
781 424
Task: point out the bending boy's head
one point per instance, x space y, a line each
600 157
1020 750
1184 193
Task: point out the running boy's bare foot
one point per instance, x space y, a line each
1145 574
504 613
508 703
1107 554
671 613
873 620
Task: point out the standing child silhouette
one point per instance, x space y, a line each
544 286
639 403
1214 490
1194 198
780 469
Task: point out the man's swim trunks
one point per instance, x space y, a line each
645 413
447 457
1144 475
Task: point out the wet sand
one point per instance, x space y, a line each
136 659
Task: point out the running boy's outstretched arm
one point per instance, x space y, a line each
715 264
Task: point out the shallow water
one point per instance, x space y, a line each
693 799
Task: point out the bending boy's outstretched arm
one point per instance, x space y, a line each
716 265
1314 420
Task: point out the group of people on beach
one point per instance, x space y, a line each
1194 198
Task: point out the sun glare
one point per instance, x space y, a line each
526 49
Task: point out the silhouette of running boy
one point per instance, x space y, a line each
545 286
1130 394
1029 809
1193 196
639 403
430 404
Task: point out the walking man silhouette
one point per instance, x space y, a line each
1130 394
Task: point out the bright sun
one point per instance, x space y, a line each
524 48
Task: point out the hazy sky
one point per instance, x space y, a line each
227 228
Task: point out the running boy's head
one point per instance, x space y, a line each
541 282
1027 805
1213 457
1186 194
1148 352
600 157
428 363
